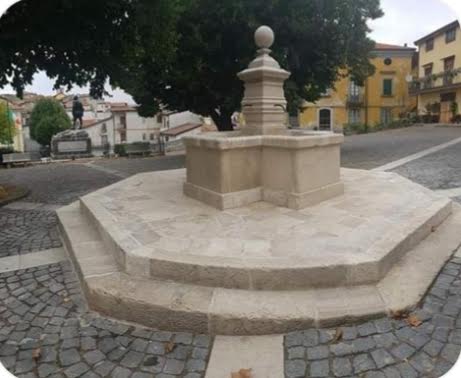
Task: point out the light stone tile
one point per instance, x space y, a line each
263 354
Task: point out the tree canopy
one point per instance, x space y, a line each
7 129
47 119
185 54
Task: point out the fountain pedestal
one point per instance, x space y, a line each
265 161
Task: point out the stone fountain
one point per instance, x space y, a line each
265 161
262 233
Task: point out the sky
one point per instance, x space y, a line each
404 21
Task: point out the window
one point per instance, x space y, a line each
159 118
354 89
354 116
387 87
386 115
449 63
388 61
103 128
428 70
144 136
430 44
123 121
123 136
152 136
450 35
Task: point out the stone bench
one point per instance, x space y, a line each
16 158
137 149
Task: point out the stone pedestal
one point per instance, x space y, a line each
294 170
265 161
71 144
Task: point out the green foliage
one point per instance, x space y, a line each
185 54
47 119
355 128
7 129
454 108
120 149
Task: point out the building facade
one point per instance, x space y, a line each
380 100
14 114
437 86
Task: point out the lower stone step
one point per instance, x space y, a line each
185 307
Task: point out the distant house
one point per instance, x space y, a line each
380 100
437 85
107 123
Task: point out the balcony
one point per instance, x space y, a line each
434 83
354 100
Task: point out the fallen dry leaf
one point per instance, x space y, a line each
414 321
243 373
399 315
66 300
169 347
36 353
338 336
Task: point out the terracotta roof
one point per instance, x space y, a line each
387 47
443 29
178 130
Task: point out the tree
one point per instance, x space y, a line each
185 54
7 129
47 119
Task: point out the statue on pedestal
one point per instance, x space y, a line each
77 113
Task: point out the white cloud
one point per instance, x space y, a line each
406 21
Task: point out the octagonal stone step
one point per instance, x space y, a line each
155 232
180 306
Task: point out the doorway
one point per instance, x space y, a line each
325 119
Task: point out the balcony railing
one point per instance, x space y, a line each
436 81
355 100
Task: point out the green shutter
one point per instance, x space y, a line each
387 87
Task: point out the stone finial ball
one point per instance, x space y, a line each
264 37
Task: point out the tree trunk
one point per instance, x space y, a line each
222 121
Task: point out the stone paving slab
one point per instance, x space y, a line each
24 205
18 262
43 314
262 354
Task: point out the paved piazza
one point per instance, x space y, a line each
46 331
27 231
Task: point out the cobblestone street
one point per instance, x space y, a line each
47 331
27 231
386 347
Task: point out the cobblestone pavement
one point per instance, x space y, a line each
386 348
60 183
441 170
27 231
373 150
45 331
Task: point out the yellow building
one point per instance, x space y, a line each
439 76
381 99
18 139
